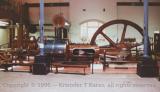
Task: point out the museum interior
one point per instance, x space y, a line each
79 39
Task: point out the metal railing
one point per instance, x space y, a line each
5 45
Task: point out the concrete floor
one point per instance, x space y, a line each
98 82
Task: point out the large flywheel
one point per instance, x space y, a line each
121 43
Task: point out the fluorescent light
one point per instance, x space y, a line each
3 23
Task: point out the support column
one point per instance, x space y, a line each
20 35
26 18
42 63
147 67
41 27
11 35
146 38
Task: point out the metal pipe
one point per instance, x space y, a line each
146 38
41 27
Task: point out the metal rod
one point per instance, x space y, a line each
41 27
146 38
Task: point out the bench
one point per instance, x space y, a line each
57 65
80 58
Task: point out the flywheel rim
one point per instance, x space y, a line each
112 22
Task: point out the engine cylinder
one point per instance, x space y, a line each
56 46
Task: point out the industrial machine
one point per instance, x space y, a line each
114 48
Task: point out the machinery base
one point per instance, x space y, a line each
147 68
41 65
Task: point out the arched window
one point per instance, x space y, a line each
88 28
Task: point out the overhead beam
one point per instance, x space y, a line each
137 4
61 4
44 24
2 27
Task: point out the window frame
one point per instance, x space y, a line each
84 26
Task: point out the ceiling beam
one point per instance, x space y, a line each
137 3
44 24
61 4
